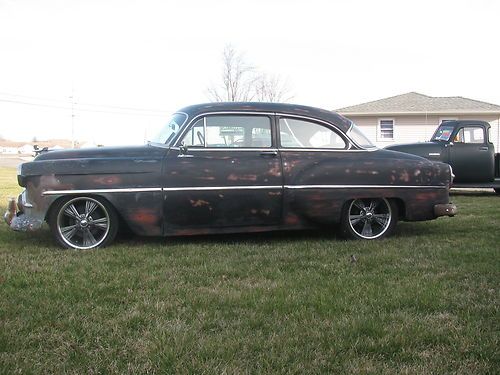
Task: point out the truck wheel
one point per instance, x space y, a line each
368 218
83 223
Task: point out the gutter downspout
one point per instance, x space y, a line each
427 137
498 135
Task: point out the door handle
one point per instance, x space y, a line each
269 153
483 148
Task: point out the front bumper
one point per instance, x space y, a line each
21 220
448 209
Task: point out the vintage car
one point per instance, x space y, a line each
231 167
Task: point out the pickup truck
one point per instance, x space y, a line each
466 146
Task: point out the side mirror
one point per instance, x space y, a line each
183 149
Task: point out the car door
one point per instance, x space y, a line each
315 158
224 172
472 155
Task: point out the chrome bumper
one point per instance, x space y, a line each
21 221
448 209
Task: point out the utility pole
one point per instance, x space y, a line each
72 97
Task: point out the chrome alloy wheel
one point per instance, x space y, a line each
370 218
83 223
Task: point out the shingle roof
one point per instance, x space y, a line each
414 102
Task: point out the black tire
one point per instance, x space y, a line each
497 190
83 222
368 218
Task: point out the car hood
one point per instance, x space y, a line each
99 160
430 150
96 152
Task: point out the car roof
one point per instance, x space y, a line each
282 108
466 122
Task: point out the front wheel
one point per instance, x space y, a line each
368 218
83 223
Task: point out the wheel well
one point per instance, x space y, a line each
401 207
54 204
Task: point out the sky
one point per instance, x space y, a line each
126 65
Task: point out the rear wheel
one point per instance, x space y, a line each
83 223
368 218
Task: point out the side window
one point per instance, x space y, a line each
470 134
305 134
195 137
230 131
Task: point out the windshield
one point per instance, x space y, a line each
358 137
443 133
168 132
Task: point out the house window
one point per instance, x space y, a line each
386 129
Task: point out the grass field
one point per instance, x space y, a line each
425 301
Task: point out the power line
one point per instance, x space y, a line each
34 104
34 97
81 104
85 109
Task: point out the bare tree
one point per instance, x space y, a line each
237 78
243 82
272 88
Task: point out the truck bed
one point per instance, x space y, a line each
495 184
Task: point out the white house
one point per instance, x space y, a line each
26 149
413 117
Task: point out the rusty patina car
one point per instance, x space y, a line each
231 167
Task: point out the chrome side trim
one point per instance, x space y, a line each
193 149
284 149
363 187
434 154
97 191
210 188
146 190
242 187
281 149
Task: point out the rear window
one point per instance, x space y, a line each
359 137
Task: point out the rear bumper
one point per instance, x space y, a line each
448 209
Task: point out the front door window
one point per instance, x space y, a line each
230 131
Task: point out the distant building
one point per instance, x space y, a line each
12 147
25 149
8 150
413 117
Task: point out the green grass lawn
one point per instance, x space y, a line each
425 301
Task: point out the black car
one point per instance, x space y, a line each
231 167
